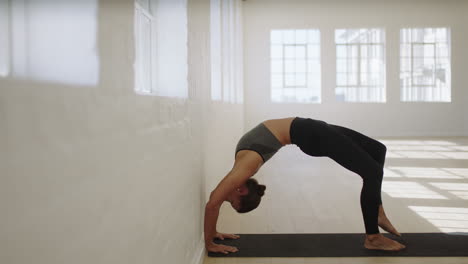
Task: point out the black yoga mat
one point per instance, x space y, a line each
344 245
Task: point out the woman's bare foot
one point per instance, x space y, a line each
379 242
385 224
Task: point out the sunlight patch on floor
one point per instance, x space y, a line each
420 172
446 219
404 189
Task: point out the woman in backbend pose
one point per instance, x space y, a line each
352 150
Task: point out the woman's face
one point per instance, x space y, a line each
235 203
236 199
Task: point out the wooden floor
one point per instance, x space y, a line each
425 189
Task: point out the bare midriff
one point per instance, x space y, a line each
280 128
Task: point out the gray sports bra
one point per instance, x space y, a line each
261 140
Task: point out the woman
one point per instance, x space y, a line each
352 150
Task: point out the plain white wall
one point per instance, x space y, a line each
96 173
224 127
393 118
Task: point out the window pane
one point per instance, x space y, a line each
290 80
340 36
296 59
314 36
276 37
300 52
341 79
289 66
313 51
429 50
364 80
301 37
353 51
301 66
352 65
352 78
277 66
301 79
405 50
341 66
277 80
4 38
425 67
288 37
360 65
143 52
442 51
341 51
289 52
276 51
313 66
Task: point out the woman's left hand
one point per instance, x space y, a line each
222 236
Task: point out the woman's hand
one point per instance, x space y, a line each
223 236
212 247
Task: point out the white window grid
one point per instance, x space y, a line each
361 84
288 83
425 65
417 75
295 66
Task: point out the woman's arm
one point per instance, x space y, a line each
241 172
211 217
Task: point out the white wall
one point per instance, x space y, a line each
393 118
96 173
224 127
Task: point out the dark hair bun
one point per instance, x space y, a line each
261 189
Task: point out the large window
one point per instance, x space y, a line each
49 41
161 48
295 66
360 65
425 65
4 38
144 48
226 51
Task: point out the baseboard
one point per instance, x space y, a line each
199 254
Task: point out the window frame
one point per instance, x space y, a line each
415 92
359 86
305 86
152 89
413 44
5 60
280 90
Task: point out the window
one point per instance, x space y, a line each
295 66
49 41
144 68
4 38
425 65
360 65
226 51
161 48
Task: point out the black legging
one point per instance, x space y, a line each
352 150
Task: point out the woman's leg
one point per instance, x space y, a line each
374 148
377 151
317 138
